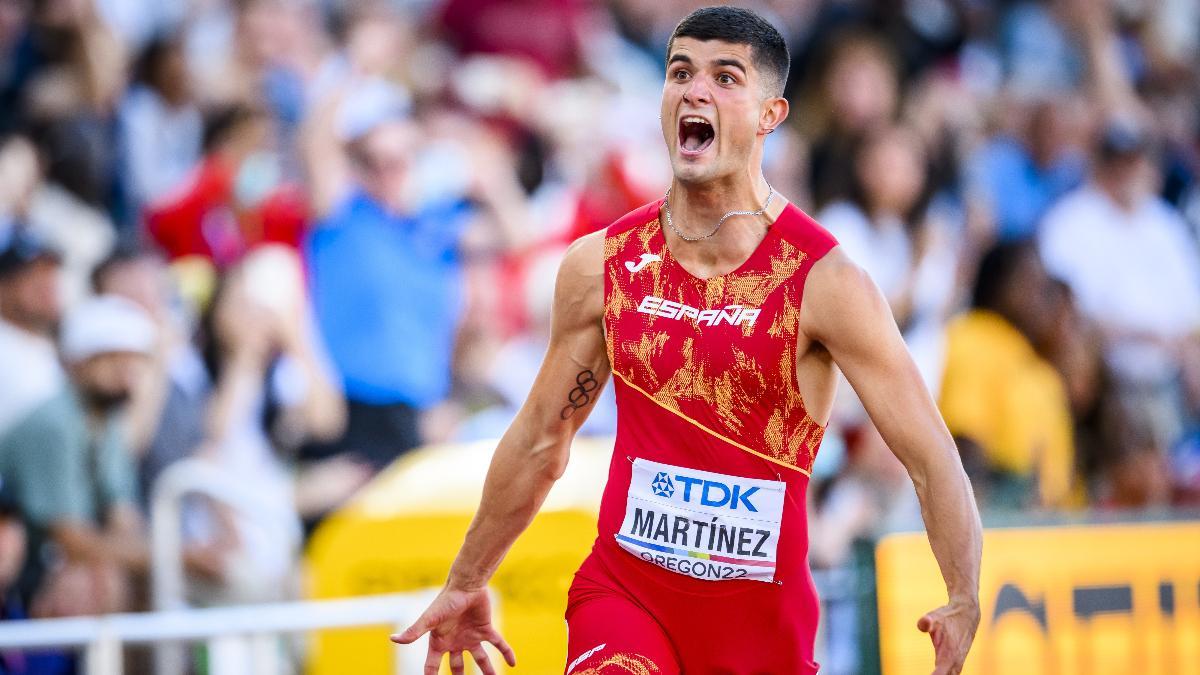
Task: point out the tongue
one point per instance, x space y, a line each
692 140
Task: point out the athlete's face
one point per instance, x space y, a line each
716 109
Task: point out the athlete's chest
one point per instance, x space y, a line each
703 337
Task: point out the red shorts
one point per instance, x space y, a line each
627 626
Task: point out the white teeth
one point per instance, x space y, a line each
695 120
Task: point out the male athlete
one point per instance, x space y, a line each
724 334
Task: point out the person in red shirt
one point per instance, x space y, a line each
723 332
234 200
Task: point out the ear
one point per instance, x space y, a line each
774 112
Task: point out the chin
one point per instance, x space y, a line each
686 171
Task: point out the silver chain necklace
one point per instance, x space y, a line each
667 208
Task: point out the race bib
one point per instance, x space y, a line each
702 524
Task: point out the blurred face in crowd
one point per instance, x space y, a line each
30 297
107 380
1028 300
383 158
252 135
891 170
376 40
171 77
12 549
715 109
20 175
142 280
263 29
1128 179
861 86
1048 132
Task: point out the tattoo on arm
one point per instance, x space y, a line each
581 395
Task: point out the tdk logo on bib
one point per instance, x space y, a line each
706 492
662 485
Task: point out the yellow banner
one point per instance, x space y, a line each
1094 600
403 530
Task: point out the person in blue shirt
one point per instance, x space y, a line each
384 259
1020 176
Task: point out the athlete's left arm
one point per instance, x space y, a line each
844 311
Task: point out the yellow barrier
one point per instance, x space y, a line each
1092 600
402 531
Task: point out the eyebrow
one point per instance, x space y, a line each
684 58
732 63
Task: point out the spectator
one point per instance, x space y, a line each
14 547
70 470
235 200
161 126
166 414
385 261
1001 395
1019 175
272 393
29 313
856 91
884 226
71 95
1131 262
81 234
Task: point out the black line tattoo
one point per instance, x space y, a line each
581 395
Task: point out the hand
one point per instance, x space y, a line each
951 628
458 621
206 561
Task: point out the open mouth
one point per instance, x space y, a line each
695 134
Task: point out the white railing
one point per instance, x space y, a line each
240 640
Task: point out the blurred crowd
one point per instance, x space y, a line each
294 239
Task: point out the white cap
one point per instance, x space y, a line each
106 324
368 105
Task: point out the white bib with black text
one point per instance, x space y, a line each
701 524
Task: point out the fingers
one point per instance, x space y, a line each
420 627
510 657
433 661
456 663
926 623
482 660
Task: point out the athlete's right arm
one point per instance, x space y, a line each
530 457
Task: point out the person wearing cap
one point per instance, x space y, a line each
69 470
29 310
1134 268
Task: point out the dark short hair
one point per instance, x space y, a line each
997 270
741 27
123 254
221 124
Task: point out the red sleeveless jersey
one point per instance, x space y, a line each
714 444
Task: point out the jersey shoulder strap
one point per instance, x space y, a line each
800 230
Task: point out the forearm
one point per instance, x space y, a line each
325 167
952 522
83 543
125 537
522 472
324 407
239 386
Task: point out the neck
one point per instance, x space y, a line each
696 210
16 320
701 205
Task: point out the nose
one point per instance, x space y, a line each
697 92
